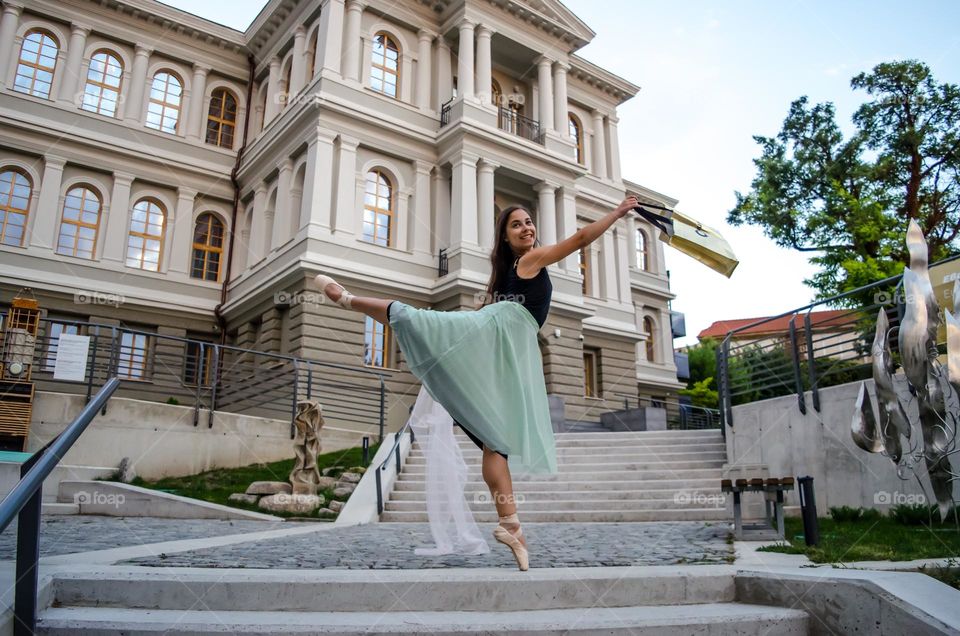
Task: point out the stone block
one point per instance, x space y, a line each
239 497
352 478
269 488
299 504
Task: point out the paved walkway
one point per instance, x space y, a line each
391 546
381 546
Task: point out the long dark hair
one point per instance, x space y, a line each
502 256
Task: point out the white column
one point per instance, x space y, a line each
560 98
344 210
546 212
182 232
298 69
403 232
608 274
465 61
198 92
463 217
258 226
631 241
614 148
623 262
281 213
485 204
8 31
48 205
115 239
420 217
133 110
441 209
568 225
599 147
444 82
424 40
273 92
71 76
664 333
484 74
352 46
318 181
330 37
545 89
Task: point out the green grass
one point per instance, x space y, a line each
217 485
883 539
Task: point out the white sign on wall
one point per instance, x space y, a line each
71 361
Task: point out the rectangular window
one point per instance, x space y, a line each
134 349
52 341
197 364
376 342
591 374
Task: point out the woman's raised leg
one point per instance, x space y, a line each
376 308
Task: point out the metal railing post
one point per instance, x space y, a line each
199 371
93 365
293 406
382 399
726 403
379 492
797 377
309 381
811 362
28 556
214 384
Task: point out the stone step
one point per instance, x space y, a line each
483 503
345 591
581 516
558 495
419 457
573 485
685 434
714 618
594 474
603 442
55 508
582 467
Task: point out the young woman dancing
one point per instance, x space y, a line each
484 367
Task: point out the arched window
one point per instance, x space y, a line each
38 59
376 340
102 91
576 136
641 250
15 191
145 241
385 66
650 343
496 94
80 223
164 109
207 248
221 118
378 209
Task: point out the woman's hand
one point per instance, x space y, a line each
628 204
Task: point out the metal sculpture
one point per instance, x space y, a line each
936 388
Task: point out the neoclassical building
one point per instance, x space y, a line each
161 171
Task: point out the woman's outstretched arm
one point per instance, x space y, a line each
539 257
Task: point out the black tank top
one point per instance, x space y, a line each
533 293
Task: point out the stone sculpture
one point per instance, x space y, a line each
305 476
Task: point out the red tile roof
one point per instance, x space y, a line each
825 319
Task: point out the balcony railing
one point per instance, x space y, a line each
513 122
445 112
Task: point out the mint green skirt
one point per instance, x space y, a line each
484 367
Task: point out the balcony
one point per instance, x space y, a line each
678 324
515 123
682 361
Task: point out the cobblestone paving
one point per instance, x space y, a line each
68 534
391 546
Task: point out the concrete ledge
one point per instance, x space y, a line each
361 507
857 601
116 499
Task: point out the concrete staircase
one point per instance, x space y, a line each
631 476
663 601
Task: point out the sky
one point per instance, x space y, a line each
712 75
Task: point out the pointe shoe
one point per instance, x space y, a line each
345 298
512 541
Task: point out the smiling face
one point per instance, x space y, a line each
520 231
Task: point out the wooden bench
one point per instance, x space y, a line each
772 489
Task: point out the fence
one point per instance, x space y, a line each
680 415
806 349
173 370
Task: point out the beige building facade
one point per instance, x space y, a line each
167 173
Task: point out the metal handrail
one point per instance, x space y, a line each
394 450
24 502
513 122
445 112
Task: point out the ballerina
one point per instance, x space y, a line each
484 367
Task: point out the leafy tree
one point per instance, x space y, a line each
702 359
701 394
848 200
